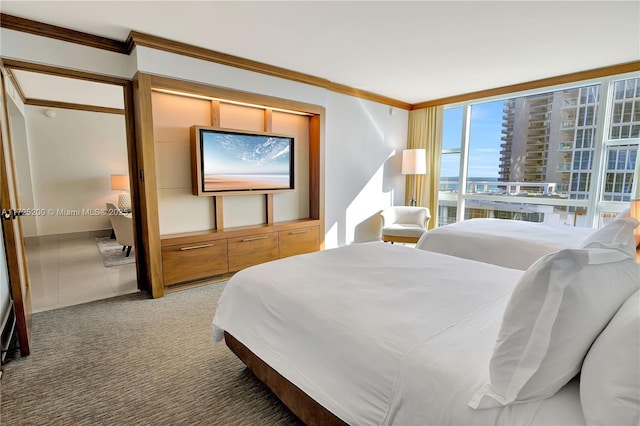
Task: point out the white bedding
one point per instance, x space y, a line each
383 334
509 243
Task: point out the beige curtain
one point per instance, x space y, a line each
425 131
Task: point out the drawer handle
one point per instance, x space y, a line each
263 237
195 247
301 231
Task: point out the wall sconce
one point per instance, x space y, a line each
414 162
121 183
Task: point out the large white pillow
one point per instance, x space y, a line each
556 311
617 234
610 378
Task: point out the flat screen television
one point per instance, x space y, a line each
229 161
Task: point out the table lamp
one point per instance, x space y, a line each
634 211
414 162
121 183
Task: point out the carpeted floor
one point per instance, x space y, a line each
131 360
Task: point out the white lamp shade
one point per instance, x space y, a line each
634 211
120 182
414 162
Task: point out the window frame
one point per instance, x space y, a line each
594 205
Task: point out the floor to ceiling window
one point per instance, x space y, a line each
566 155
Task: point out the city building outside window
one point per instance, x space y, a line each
566 156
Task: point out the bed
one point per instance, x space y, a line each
509 243
378 334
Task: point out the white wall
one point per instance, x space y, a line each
361 141
31 48
364 142
361 138
72 157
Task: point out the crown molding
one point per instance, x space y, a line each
535 84
68 105
60 33
159 43
140 39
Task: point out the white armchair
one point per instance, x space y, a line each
404 224
122 225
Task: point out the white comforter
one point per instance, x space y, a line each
509 243
382 334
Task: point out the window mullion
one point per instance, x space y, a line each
599 157
464 161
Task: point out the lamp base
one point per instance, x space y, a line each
124 201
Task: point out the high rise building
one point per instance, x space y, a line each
550 137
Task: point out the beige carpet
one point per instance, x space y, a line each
131 360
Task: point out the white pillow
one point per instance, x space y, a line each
610 379
617 234
556 311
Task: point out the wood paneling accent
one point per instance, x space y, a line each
315 168
252 250
139 238
268 120
191 262
298 241
269 206
147 185
189 87
215 113
68 105
217 207
238 231
536 84
246 246
60 33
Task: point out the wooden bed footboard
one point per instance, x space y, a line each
301 404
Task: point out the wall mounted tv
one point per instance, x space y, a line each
227 161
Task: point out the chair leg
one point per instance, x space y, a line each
128 251
124 248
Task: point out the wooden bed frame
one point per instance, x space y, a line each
301 404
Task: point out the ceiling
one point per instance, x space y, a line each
410 51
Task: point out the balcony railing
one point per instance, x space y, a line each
565 146
501 188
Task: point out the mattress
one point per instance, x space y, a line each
383 334
509 243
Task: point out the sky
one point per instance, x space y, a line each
484 143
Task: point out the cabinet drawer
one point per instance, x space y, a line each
252 250
299 241
194 262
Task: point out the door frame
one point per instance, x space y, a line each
7 65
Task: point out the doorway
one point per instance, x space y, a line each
67 143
